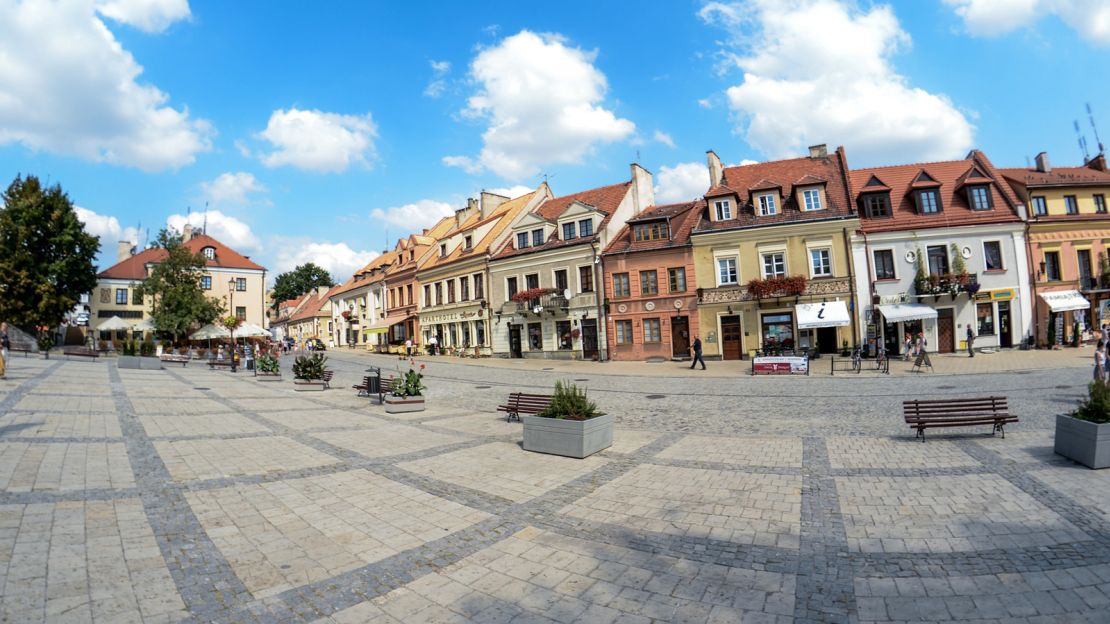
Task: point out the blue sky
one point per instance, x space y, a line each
325 134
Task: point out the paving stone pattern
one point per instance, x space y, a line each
202 496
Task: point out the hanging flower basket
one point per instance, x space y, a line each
531 293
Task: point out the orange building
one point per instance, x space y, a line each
650 284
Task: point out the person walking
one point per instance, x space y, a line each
697 354
909 346
433 342
919 344
1100 362
408 347
5 344
970 341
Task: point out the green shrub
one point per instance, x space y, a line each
146 349
1096 407
408 384
268 364
128 347
570 403
309 367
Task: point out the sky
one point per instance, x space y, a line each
323 132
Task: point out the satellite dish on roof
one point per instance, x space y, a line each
566 293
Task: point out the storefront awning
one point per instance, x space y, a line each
1065 300
375 330
899 312
817 315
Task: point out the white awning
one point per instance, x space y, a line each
828 314
899 312
1065 300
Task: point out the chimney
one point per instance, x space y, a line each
818 151
489 202
643 193
716 171
187 232
123 250
1098 163
1042 163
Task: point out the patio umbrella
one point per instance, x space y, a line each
114 324
250 330
145 325
209 332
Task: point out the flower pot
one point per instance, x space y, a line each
569 438
268 376
304 385
402 405
1085 442
136 362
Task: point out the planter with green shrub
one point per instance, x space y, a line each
1084 435
407 393
570 426
138 355
267 368
308 373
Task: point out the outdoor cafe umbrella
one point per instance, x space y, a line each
250 330
210 331
114 324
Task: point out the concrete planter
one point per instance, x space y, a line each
136 362
569 438
268 376
1082 441
402 405
304 385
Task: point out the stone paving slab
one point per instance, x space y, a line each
211 425
307 420
481 424
35 466
869 452
627 441
185 405
66 404
1087 487
54 425
386 439
747 451
275 404
192 460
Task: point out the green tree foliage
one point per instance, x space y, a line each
173 286
46 257
293 284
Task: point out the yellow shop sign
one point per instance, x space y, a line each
1002 294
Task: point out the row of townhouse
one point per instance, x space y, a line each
796 254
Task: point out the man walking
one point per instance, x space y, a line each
697 354
970 341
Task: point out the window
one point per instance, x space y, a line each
241 284
209 252
992 255
562 335
535 336
427 294
677 279
980 198
480 332
443 250
439 293
649 284
464 288
137 298
620 285
511 287
121 296
811 199
985 313
876 205
624 332
392 301
586 227
569 231
651 231
767 205
206 282
1100 204
479 290
651 331
241 313
938 260
723 209
884 264
532 280
537 238
522 240
820 262
1083 256
586 278
408 298
928 202
1052 266
561 280
726 271
450 291
1040 207
468 242
774 265
1070 205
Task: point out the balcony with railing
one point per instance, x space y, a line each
947 284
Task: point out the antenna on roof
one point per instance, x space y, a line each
1082 142
547 177
1091 118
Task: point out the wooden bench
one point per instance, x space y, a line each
521 403
328 374
80 352
364 387
169 357
214 364
927 414
25 350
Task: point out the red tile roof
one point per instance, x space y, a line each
225 257
1059 176
682 218
606 199
952 176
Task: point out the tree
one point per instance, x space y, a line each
177 300
302 279
46 257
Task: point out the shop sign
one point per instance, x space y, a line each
891 299
1002 294
1104 309
783 365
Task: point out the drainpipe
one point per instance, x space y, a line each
867 258
599 291
852 285
1033 284
487 294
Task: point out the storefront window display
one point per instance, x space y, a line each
778 331
453 330
535 336
985 314
465 327
480 333
562 332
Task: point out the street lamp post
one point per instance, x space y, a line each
231 328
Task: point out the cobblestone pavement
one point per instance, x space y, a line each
200 496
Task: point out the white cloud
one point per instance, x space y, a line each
663 138
682 182
542 100
108 229
224 228
68 87
152 16
317 141
991 18
512 192
337 258
415 216
232 188
438 84
798 90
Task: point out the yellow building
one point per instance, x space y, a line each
773 267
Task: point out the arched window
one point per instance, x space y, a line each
209 252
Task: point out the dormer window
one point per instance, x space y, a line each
876 205
928 202
537 237
468 242
586 227
658 230
569 231
767 205
443 250
811 200
979 197
209 252
723 209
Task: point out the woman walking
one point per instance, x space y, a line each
1100 362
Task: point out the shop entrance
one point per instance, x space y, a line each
1005 333
731 344
514 342
589 339
680 337
946 330
826 340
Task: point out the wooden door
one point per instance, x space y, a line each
514 342
731 338
589 339
946 331
680 337
1005 330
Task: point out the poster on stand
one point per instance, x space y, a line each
781 365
